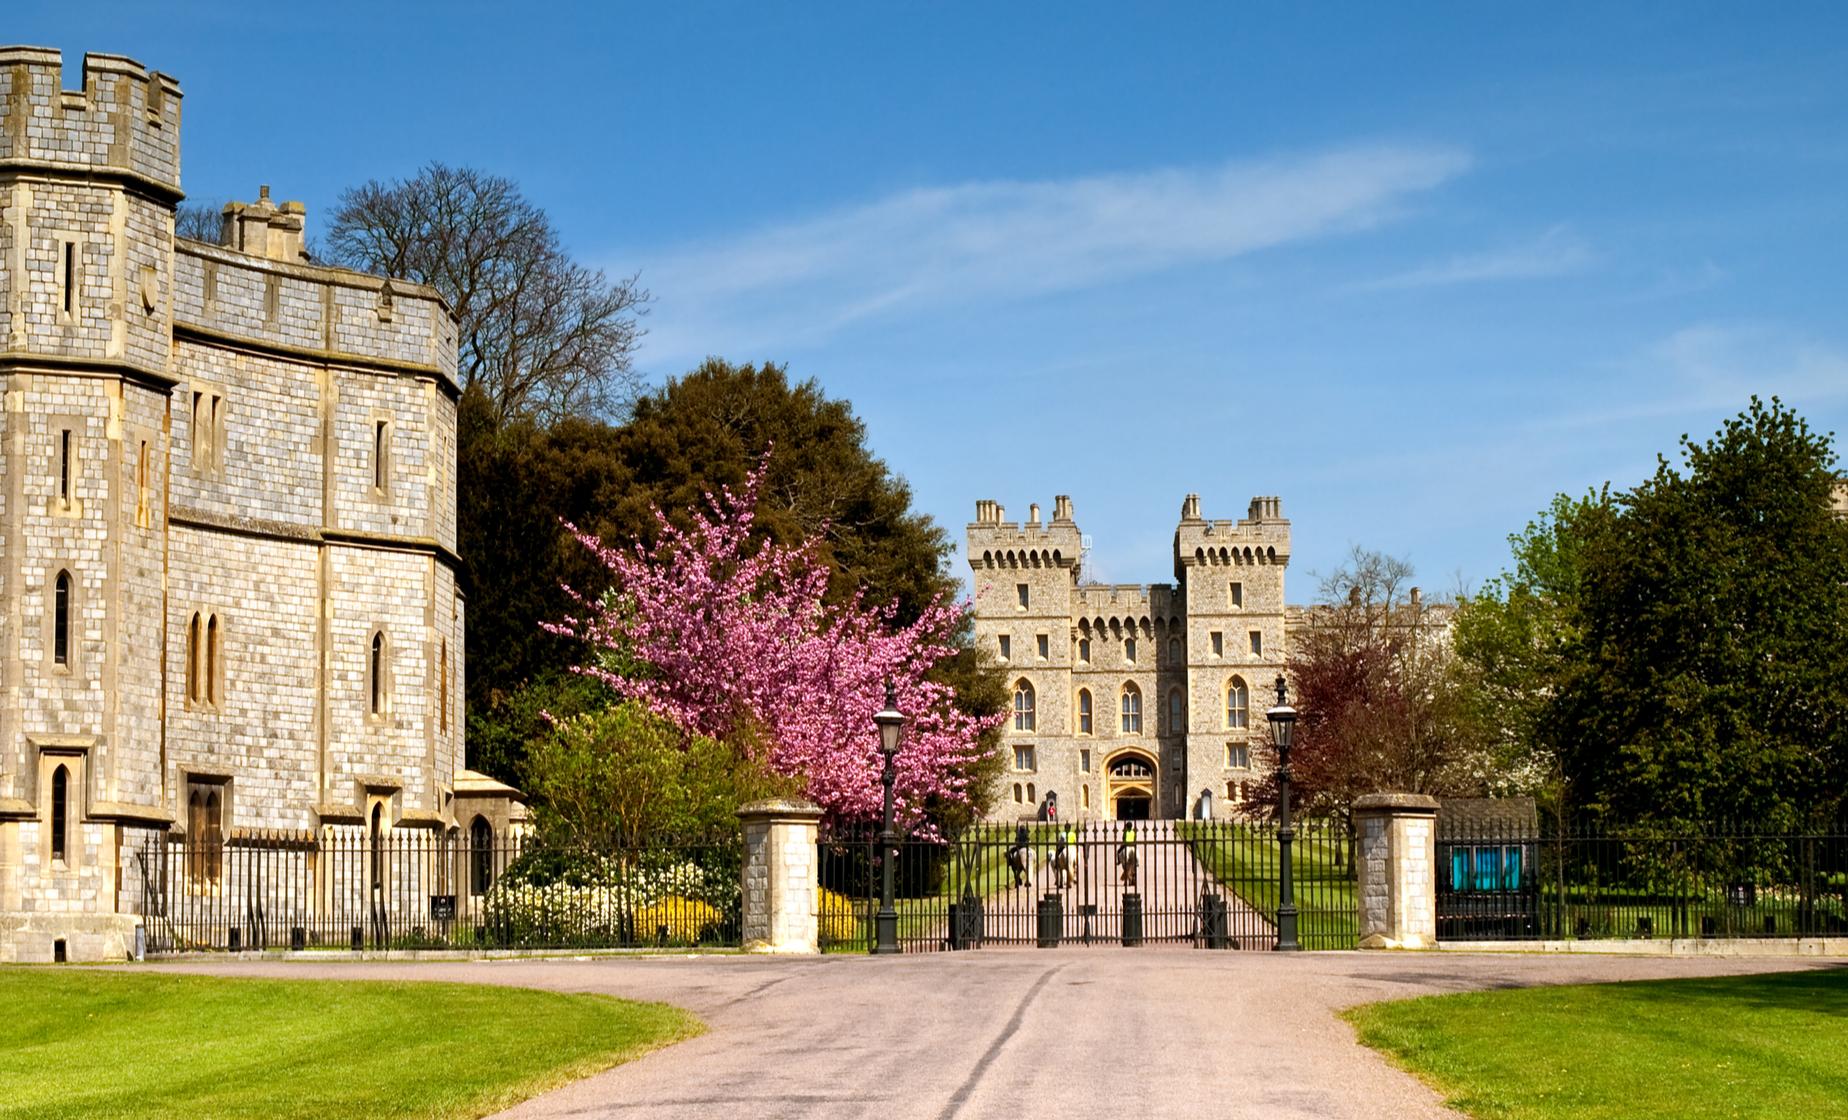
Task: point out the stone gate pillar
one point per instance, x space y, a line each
781 892
1396 864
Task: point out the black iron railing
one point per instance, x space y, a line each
1595 880
1207 884
408 889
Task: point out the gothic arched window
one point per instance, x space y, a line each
1238 705
1023 706
1132 710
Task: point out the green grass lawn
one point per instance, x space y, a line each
80 1042
1245 861
1744 1046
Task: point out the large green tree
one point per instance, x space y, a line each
1708 685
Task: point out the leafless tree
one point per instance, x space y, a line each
540 335
200 221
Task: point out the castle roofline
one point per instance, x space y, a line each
313 271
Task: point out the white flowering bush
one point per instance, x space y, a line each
602 900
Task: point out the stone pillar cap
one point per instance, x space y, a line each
788 808
1395 802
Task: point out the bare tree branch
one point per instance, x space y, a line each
541 335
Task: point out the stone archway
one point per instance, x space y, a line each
1130 786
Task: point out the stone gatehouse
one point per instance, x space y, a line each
1132 700
228 593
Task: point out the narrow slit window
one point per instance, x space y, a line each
381 449
1045 647
442 686
211 660
1236 595
1257 643
69 283
193 634
377 673
64 465
141 486
61 620
60 812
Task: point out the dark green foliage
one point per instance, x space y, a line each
711 427
1714 606
500 731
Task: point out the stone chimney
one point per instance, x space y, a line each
1062 507
263 229
1033 514
1190 508
1417 598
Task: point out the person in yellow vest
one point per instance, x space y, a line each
1065 857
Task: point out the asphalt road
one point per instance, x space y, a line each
1067 1033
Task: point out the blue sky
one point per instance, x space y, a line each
1413 269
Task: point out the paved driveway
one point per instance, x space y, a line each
1068 1034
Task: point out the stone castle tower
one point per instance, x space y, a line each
227 521
1131 700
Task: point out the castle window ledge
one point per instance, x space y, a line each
122 813
340 814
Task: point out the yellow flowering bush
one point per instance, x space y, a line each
686 919
841 919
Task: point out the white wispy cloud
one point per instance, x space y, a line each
1712 369
1556 252
933 247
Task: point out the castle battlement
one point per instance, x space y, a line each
266 293
994 541
125 120
1261 537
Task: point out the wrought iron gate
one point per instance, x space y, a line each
1202 884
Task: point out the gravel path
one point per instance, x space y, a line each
1071 1033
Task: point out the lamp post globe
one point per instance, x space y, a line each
1283 727
890 722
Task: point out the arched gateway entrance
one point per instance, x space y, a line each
1129 786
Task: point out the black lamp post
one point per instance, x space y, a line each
885 923
1283 724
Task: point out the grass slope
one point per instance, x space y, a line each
1744 1046
87 1043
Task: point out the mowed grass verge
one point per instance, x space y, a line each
79 1042
1744 1046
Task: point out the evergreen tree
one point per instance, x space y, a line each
1709 684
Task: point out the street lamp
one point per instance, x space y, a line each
890 721
1283 723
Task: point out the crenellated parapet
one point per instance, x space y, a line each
1261 537
124 121
996 543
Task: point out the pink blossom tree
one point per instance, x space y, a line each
733 639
